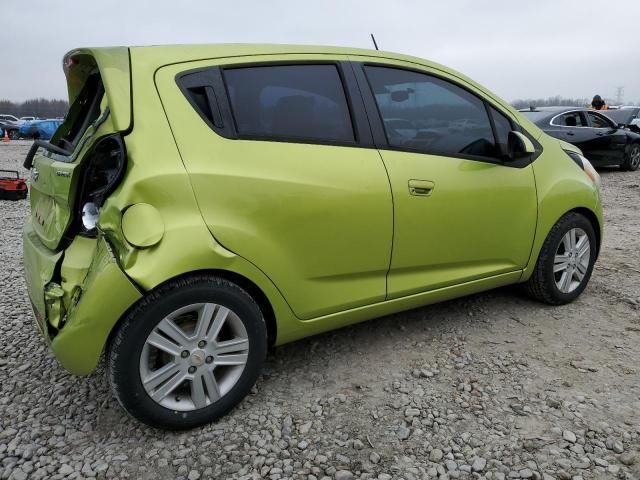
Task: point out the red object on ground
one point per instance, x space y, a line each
12 187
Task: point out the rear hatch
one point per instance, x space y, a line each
99 88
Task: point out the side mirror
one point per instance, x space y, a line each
519 145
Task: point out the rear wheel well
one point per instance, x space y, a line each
258 295
247 285
593 219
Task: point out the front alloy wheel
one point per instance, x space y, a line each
188 353
571 261
565 261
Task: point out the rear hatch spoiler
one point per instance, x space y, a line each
114 65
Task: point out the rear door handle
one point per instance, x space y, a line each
421 188
570 133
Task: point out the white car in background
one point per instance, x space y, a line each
9 119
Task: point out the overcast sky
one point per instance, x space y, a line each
517 48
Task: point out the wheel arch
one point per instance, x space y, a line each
243 282
588 213
595 223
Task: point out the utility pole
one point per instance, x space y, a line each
619 95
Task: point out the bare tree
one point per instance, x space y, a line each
550 101
36 107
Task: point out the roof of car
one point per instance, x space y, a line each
552 109
191 52
234 49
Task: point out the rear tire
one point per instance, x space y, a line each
562 272
184 377
632 159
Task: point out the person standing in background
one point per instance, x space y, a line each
598 103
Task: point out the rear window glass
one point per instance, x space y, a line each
82 113
570 119
303 102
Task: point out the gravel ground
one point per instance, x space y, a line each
490 386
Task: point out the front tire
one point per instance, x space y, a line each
565 262
188 353
632 160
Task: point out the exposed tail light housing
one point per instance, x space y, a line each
105 166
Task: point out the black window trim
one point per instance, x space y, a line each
214 77
379 132
355 105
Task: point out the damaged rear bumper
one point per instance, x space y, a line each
77 295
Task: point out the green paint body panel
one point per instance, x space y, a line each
142 225
331 235
106 295
39 265
75 266
278 202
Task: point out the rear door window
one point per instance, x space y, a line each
290 102
569 119
425 113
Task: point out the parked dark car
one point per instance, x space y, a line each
601 139
629 117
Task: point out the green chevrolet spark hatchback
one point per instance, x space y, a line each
203 203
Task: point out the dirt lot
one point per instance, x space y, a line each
491 386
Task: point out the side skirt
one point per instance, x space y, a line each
337 320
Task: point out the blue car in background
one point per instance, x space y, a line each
42 129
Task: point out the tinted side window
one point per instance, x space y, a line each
502 128
82 113
426 113
571 119
305 102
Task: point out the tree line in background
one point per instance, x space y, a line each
558 101
36 107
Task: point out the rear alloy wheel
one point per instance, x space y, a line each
565 262
186 364
188 353
632 162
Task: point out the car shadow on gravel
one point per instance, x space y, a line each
344 359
